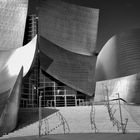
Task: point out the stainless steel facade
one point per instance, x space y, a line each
117 67
70 37
75 70
15 60
69 26
13 15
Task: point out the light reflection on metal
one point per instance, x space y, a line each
118 66
8 118
75 70
72 27
12 23
127 87
120 56
22 56
12 61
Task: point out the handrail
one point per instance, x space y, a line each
92 119
64 122
119 125
47 130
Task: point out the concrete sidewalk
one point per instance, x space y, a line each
85 136
78 119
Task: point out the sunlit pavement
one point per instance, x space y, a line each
78 120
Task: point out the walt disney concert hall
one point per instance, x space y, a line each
67 51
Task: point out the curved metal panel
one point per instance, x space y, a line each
4 56
115 17
6 80
120 56
12 23
69 26
76 71
3 100
22 56
128 88
8 119
12 61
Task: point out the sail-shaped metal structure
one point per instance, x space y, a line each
119 60
120 56
69 26
75 70
12 26
68 35
9 115
15 60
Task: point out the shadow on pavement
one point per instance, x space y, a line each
30 116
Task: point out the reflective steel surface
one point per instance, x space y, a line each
69 26
8 118
75 70
120 56
12 23
12 63
118 69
